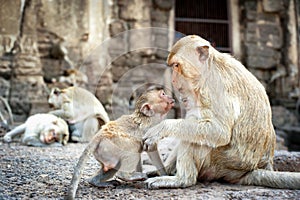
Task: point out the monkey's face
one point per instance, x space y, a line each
55 98
163 102
54 133
49 136
188 59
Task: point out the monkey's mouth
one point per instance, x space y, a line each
50 138
172 103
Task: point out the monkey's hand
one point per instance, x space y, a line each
7 139
152 136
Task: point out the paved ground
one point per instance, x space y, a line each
45 173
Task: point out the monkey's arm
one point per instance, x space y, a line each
62 114
208 132
35 142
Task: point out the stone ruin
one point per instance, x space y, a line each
113 50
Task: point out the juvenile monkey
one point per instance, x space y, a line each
118 145
227 133
81 109
41 130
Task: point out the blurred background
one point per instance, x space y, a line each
112 47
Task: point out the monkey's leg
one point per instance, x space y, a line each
76 131
187 171
128 171
133 176
155 158
100 179
139 166
170 165
89 129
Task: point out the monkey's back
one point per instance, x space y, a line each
252 134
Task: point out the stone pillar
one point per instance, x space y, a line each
27 84
9 30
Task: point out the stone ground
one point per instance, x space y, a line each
45 173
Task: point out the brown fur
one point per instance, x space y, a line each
227 133
117 146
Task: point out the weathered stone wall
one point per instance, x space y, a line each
35 38
270 46
138 48
122 44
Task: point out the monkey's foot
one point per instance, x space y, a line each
107 184
165 182
131 177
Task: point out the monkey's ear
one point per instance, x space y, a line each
203 52
56 91
147 110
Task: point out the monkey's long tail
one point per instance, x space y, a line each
80 167
274 179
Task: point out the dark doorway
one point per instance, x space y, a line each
206 18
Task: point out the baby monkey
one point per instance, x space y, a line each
118 145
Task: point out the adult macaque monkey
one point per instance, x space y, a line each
41 130
118 145
227 133
81 109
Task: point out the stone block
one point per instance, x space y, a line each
250 37
250 5
261 50
251 27
269 18
271 35
141 40
260 74
10 17
160 16
137 10
273 6
7 43
161 41
4 87
116 27
118 44
5 66
251 15
164 4
24 90
26 64
261 62
118 72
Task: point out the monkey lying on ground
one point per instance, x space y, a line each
228 133
81 109
41 130
118 145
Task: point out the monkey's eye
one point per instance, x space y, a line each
175 65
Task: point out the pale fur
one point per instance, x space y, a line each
232 136
120 142
36 127
81 109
